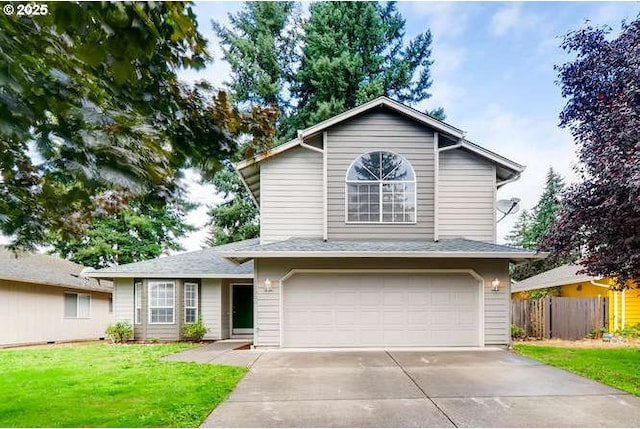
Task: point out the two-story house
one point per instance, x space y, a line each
377 228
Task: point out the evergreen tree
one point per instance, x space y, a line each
353 52
533 227
143 230
260 49
236 218
520 235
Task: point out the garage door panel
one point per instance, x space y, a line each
342 310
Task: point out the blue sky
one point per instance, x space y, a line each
493 74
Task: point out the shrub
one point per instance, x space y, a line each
596 334
194 331
120 332
517 333
630 332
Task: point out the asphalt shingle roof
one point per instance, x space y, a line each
196 263
565 274
317 246
44 269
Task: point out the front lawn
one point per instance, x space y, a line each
109 386
616 367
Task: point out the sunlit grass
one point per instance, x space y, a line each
109 386
616 367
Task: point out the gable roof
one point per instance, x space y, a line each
47 270
205 263
305 247
249 170
560 276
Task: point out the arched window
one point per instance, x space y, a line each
381 188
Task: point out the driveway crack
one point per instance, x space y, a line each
420 389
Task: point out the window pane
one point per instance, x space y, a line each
161 302
367 167
190 315
395 168
84 306
70 305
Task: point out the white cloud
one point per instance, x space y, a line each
444 19
512 18
205 196
535 142
506 19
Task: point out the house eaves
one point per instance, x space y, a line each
559 276
249 170
317 248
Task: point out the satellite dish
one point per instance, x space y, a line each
507 207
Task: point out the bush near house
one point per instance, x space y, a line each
120 332
194 331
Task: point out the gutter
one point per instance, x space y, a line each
506 182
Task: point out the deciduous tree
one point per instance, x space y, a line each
90 100
601 215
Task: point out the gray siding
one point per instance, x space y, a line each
123 300
34 313
225 308
496 304
379 130
291 195
211 307
466 197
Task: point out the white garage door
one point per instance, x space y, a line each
369 310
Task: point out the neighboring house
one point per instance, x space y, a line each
624 306
44 299
378 228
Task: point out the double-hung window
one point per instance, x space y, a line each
381 188
190 302
162 302
77 305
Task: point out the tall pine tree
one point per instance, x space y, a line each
533 227
260 47
353 52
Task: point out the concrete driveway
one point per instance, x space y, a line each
418 389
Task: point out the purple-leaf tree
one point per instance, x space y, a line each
600 216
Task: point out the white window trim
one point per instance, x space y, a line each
173 319
78 294
137 299
185 284
380 184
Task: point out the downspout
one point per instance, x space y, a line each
436 184
624 308
615 302
325 234
454 146
615 311
313 148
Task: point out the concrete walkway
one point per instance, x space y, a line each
481 388
219 353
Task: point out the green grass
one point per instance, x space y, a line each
618 367
109 386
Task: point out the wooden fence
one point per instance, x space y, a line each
565 318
